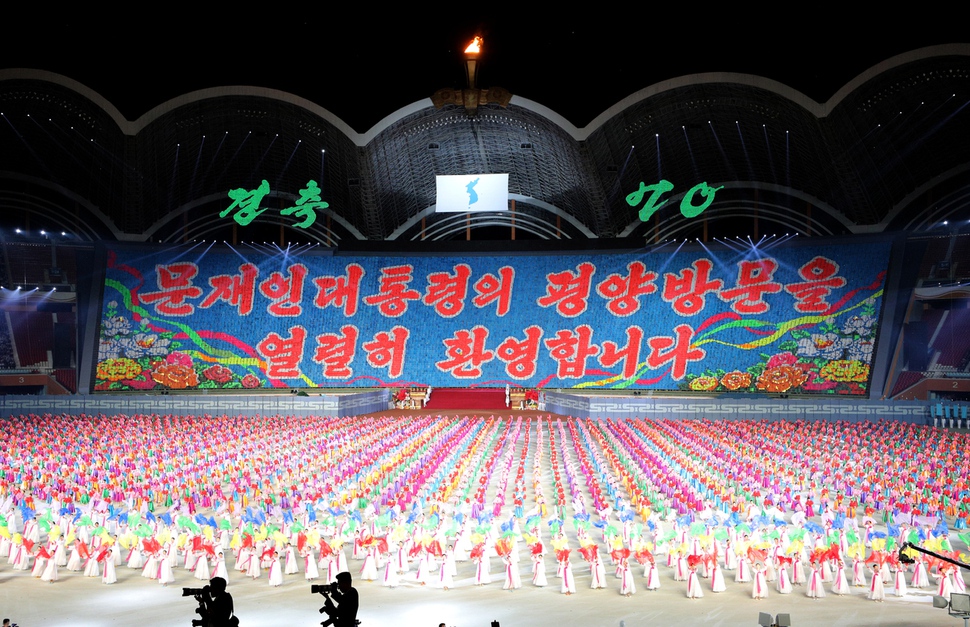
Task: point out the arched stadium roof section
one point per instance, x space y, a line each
861 168
132 127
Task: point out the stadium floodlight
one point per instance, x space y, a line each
781 620
959 603
958 606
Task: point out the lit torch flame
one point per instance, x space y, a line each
475 46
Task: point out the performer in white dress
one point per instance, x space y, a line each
816 587
759 587
627 585
877 591
717 576
694 590
783 585
201 571
276 569
50 570
859 573
291 567
220 569
482 576
445 580
743 575
513 581
390 578
840 585
945 587
921 578
568 580
538 566
598 571
110 575
368 572
310 570
165 573
899 580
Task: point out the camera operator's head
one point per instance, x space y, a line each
217 585
344 580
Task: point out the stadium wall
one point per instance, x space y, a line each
190 405
917 412
599 407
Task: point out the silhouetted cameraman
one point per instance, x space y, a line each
345 614
217 605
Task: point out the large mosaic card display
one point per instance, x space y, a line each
792 320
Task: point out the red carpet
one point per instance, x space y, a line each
467 398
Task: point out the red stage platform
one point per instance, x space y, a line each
467 398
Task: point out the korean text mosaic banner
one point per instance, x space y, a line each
794 320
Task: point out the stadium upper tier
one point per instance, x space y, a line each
887 152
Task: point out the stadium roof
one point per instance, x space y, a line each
829 126
363 67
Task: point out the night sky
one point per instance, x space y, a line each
365 66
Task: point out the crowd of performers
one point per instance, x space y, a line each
777 507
